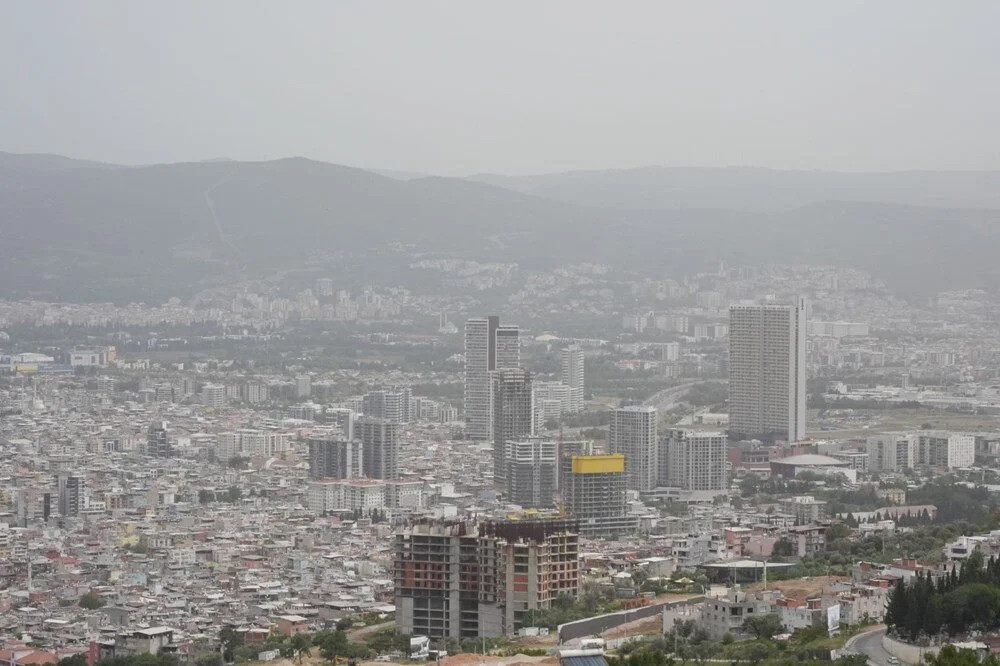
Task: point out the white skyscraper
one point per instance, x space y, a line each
633 433
767 374
488 346
571 362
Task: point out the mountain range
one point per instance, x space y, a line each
79 230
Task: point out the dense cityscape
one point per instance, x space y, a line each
562 333
395 474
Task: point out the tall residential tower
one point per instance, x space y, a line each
767 372
488 347
513 415
571 366
633 433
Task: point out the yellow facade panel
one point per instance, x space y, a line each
606 464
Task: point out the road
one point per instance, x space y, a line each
870 645
668 398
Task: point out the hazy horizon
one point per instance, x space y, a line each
450 89
404 172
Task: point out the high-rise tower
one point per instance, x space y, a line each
513 415
633 432
533 473
571 362
488 347
767 372
332 458
380 447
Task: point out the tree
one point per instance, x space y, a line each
300 643
782 548
332 644
754 652
230 640
949 655
764 626
91 601
233 494
78 659
838 531
895 610
971 568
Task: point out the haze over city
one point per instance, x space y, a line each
461 88
499 334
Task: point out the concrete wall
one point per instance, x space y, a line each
908 654
593 626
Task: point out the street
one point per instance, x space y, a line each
870 645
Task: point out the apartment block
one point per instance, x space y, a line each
695 460
532 473
767 376
389 404
593 490
632 432
380 447
331 458
462 580
447 582
891 452
941 449
513 415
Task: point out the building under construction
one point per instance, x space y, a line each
460 580
540 562
594 493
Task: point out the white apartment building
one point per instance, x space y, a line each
400 494
254 392
327 495
941 449
552 400
891 452
571 361
252 442
805 508
767 371
633 432
693 460
213 395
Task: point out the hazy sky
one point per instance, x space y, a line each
461 86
